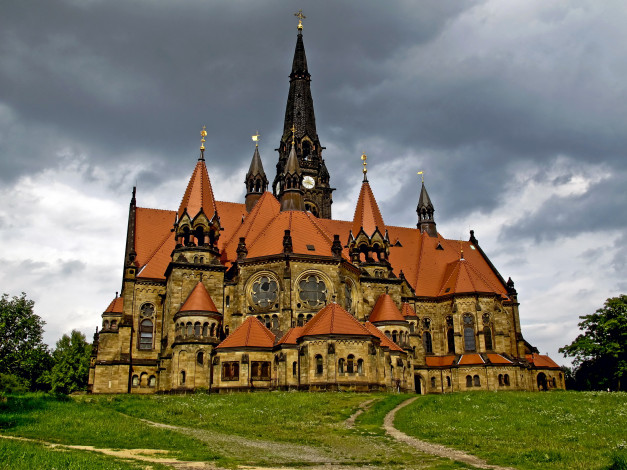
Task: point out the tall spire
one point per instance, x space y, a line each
299 112
425 210
256 181
367 214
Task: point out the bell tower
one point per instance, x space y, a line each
299 112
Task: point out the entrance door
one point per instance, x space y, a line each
417 386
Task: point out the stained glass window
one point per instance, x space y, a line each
265 292
313 291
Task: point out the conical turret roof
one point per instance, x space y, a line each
425 200
199 300
199 193
334 320
256 167
367 214
251 334
292 167
385 310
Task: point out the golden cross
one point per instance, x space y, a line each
203 134
256 139
300 17
422 175
293 130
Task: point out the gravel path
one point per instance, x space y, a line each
433 449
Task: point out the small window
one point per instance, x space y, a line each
433 382
145 334
260 370
294 368
311 248
275 322
506 379
468 381
114 325
152 381
428 342
350 364
319 366
205 329
448 381
476 381
360 366
135 381
487 335
230 370
190 329
340 365
501 381
200 358
197 329
300 320
228 301
450 339
182 375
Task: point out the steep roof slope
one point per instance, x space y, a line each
385 310
367 214
199 300
334 320
250 334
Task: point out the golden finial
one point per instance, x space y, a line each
364 157
256 139
301 17
293 129
203 134
461 250
422 176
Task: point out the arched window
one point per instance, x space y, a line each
190 329
147 310
114 325
309 317
145 334
450 334
448 381
152 381
105 325
553 382
468 381
433 383
506 379
469 333
501 380
275 322
200 358
197 329
205 329
350 364
340 365
476 381
487 335
294 368
264 292
319 367
360 366
395 336
268 321
182 377
387 333
428 342
135 381
265 369
411 327
212 330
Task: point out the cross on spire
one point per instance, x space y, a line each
364 157
256 139
301 17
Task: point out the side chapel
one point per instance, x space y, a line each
272 293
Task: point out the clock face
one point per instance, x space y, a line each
308 182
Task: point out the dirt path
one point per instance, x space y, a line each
433 449
364 406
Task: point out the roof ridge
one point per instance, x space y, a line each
420 254
155 209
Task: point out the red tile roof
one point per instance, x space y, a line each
199 300
385 310
461 276
334 320
540 360
291 336
251 334
385 341
116 306
498 359
470 359
367 214
440 361
407 310
199 193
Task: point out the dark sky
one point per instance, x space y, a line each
516 111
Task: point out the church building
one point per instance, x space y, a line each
273 293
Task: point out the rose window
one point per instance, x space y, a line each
265 292
147 310
313 291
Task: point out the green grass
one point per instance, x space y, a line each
18 455
559 430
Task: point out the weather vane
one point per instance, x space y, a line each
293 129
300 17
256 139
422 176
203 134
364 157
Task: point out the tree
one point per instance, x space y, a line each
23 355
601 351
70 371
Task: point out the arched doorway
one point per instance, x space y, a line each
542 385
418 384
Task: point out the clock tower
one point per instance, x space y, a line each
299 113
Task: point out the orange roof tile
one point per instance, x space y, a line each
440 361
291 336
334 320
540 360
498 359
152 229
250 334
385 341
461 276
367 214
199 193
470 359
199 300
231 214
407 310
116 306
385 310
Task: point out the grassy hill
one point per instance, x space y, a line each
566 430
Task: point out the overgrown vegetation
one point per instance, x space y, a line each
561 430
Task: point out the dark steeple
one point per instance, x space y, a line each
256 181
299 112
425 211
291 192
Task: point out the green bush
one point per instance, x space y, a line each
10 383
